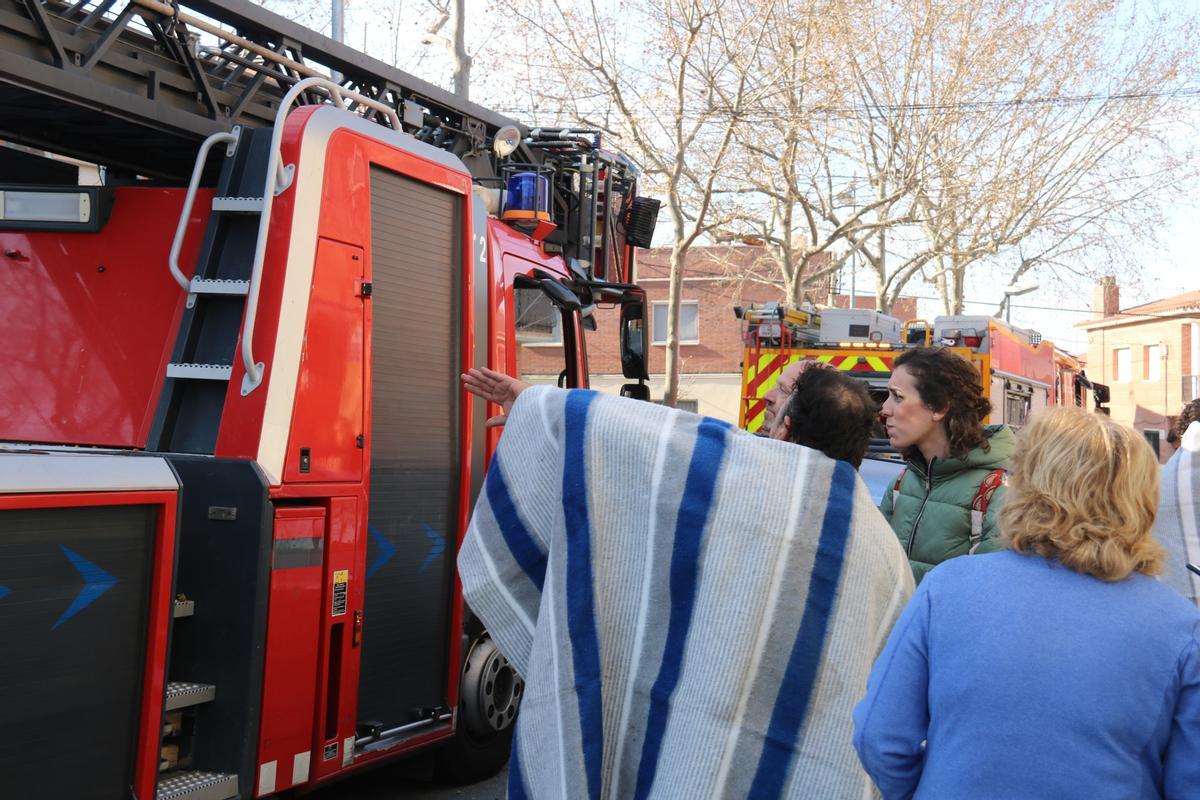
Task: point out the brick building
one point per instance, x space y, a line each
1149 355
710 336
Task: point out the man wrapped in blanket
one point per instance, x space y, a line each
694 609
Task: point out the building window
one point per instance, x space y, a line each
538 321
689 322
1016 409
1152 363
1153 437
538 326
1120 365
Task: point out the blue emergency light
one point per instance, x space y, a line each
528 197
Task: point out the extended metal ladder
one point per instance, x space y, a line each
149 80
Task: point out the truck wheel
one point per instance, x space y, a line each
490 694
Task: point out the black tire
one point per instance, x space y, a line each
490 693
466 759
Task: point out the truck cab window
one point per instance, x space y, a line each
542 349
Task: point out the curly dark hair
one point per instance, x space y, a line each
833 413
946 381
1187 415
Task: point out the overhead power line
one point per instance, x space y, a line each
863 110
1193 309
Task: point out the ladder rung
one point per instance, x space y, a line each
218 286
197 786
203 372
184 608
238 205
181 694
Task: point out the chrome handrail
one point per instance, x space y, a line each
279 178
230 138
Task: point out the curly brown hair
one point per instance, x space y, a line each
1187 415
946 381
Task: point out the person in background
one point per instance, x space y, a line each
1058 669
828 411
776 398
1179 505
945 502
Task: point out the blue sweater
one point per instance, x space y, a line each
1010 676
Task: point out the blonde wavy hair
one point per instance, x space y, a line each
1084 491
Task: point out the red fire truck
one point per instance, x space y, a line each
235 459
1020 371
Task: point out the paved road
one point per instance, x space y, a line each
392 783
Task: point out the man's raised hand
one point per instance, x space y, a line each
494 387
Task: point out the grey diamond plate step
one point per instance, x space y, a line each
181 694
238 205
218 286
197 786
203 372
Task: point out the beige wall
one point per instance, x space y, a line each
1138 399
716 395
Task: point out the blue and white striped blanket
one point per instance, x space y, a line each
1178 517
695 610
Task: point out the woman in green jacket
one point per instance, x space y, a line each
946 501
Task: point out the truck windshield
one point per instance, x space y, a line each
541 353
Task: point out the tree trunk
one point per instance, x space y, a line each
675 293
881 299
794 287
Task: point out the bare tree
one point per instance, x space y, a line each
1035 136
798 188
925 138
454 12
671 83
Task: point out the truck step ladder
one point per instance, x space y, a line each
181 694
197 377
197 786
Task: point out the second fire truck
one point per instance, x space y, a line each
1020 371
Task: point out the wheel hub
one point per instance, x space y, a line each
491 690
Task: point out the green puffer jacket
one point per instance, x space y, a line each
932 515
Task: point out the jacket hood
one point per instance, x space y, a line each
1002 442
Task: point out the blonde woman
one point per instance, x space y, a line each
1059 669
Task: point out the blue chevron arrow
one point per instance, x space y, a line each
437 545
95 583
386 551
4 592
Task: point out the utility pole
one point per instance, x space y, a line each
338 25
339 20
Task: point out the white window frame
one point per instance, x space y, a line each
1153 370
557 332
656 305
1119 375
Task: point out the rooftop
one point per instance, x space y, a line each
1187 303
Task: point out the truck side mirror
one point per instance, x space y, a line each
633 341
636 391
563 297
